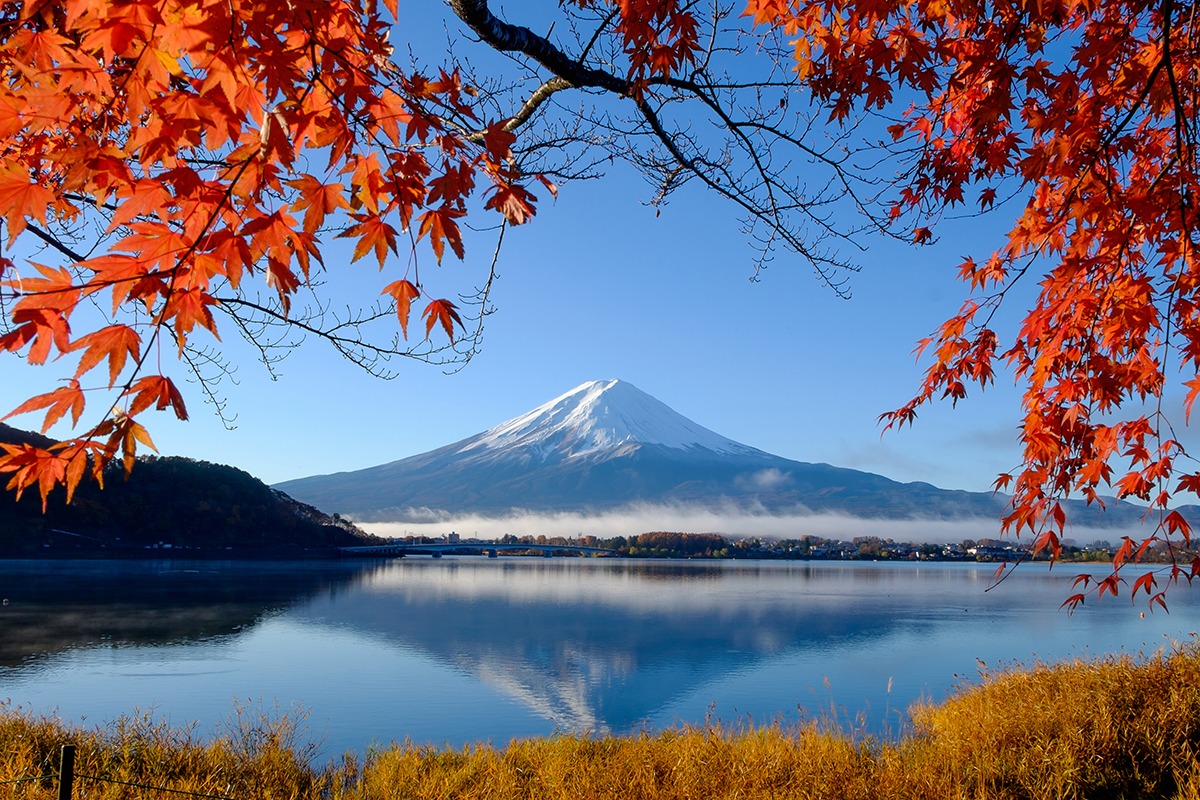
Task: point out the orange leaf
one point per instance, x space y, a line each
498 141
188 308
439 225
21 199
126 435
404 292
59 402
31 465
55 289
552 187
1177 524
75 469
146 197
1072 602
40 328
441 311
156 390
372 234
513 201
317 200
1110 584
115 342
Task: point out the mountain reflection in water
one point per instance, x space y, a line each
454 650
599 649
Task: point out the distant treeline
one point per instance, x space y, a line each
674 544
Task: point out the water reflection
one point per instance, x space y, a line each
455 650
55 606
602 647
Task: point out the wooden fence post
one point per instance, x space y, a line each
66 771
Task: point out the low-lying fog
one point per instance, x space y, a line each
731 522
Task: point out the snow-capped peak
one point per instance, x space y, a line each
602 416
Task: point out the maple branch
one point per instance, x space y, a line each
480 299
193 358
515 38
535 100
1182 131
355 348
54 242
527 109
766 176
509 38
761 190
819 261
837 165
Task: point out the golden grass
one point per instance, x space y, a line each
1114 728
1110 728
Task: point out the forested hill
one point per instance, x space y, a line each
171 501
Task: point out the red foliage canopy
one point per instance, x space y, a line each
1088 111
184 133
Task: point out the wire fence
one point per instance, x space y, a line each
67 776
164 789
11 781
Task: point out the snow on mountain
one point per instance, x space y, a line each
607 445
601 416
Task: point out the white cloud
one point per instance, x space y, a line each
730 520
765 478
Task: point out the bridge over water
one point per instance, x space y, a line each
492 549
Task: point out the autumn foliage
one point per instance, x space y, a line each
1082 116
175 159
171 154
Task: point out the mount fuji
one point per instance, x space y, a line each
606 445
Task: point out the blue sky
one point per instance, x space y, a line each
600 286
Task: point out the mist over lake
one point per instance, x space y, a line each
457 650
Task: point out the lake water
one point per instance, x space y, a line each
457 650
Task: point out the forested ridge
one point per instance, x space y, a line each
173 501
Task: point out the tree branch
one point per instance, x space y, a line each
507 38
53 242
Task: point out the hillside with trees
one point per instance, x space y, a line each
167 504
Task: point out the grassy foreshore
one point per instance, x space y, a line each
1117 728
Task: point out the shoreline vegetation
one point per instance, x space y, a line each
56 543
1117 727
674 544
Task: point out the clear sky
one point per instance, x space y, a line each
600 286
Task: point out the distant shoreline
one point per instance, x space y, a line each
290 554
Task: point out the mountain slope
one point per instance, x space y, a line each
601 419
176 501
605 445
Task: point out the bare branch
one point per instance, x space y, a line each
736 137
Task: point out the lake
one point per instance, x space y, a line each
457 650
